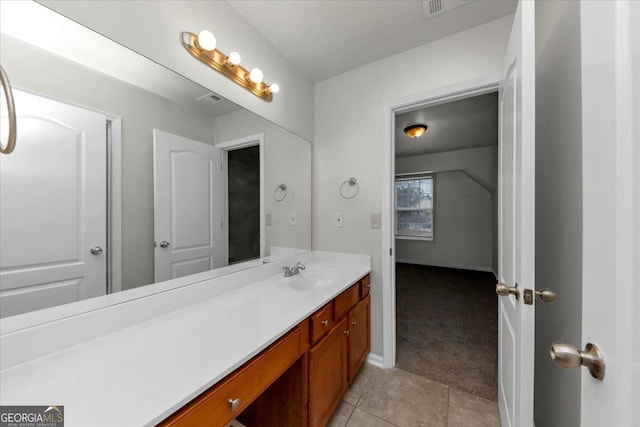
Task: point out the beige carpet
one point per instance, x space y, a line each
447 327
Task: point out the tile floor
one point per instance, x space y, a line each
387 398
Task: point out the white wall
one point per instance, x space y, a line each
288 160
559 192
349 139
152 28
463 209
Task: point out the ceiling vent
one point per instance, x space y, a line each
436 7
210 98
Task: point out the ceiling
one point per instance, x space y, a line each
457 125
324 38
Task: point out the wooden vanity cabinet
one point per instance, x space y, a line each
335 360
359 336
297 381
328 374
227 399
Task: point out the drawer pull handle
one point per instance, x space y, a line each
346 332
234 404
354 323
325 323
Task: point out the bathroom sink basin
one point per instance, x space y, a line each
315 280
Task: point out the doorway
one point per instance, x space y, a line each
446 183
440 96
243 206
243 202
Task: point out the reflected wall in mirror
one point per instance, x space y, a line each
117 183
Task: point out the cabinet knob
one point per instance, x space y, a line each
354 323
234 404
325 323
346 332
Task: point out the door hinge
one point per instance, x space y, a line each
390 251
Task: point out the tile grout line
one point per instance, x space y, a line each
448 404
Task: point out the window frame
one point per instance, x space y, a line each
415 177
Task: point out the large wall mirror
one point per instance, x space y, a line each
127 174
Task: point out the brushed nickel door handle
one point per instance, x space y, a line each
505 290
544 294
568 356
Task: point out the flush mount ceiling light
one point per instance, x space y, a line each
414 131
203 48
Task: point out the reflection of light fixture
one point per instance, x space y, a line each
415 131
203 48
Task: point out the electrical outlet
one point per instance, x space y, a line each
267 219
376 221
292 218
339 220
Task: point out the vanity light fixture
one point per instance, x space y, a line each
203 48
414 131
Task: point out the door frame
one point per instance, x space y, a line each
225 147
432 97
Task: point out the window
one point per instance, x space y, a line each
414 207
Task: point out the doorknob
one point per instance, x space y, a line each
96 250
164 244
504 290
544 294
568 356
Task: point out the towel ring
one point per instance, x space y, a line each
352 182
283 190
11 142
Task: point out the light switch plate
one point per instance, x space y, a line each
292 218
376 221
339 219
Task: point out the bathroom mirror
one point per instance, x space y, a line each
126 173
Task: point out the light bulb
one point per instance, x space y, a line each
234 58
206 40
256 75
274 88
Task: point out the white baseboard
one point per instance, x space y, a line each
460 267
375 360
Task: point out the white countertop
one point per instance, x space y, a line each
142 373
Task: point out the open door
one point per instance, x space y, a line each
517 222
187 211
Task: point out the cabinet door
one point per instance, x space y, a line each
327 374
359 336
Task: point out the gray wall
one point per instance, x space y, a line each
288 160
141 111
463 208
559 195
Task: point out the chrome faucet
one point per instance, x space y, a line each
292 271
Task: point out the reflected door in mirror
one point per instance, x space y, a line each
53 207
187 212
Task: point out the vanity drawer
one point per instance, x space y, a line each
245 384
346 300
365 285
321 322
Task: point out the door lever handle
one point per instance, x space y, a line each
568 356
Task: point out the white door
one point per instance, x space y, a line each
516 222
610 52
187 211
52 207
